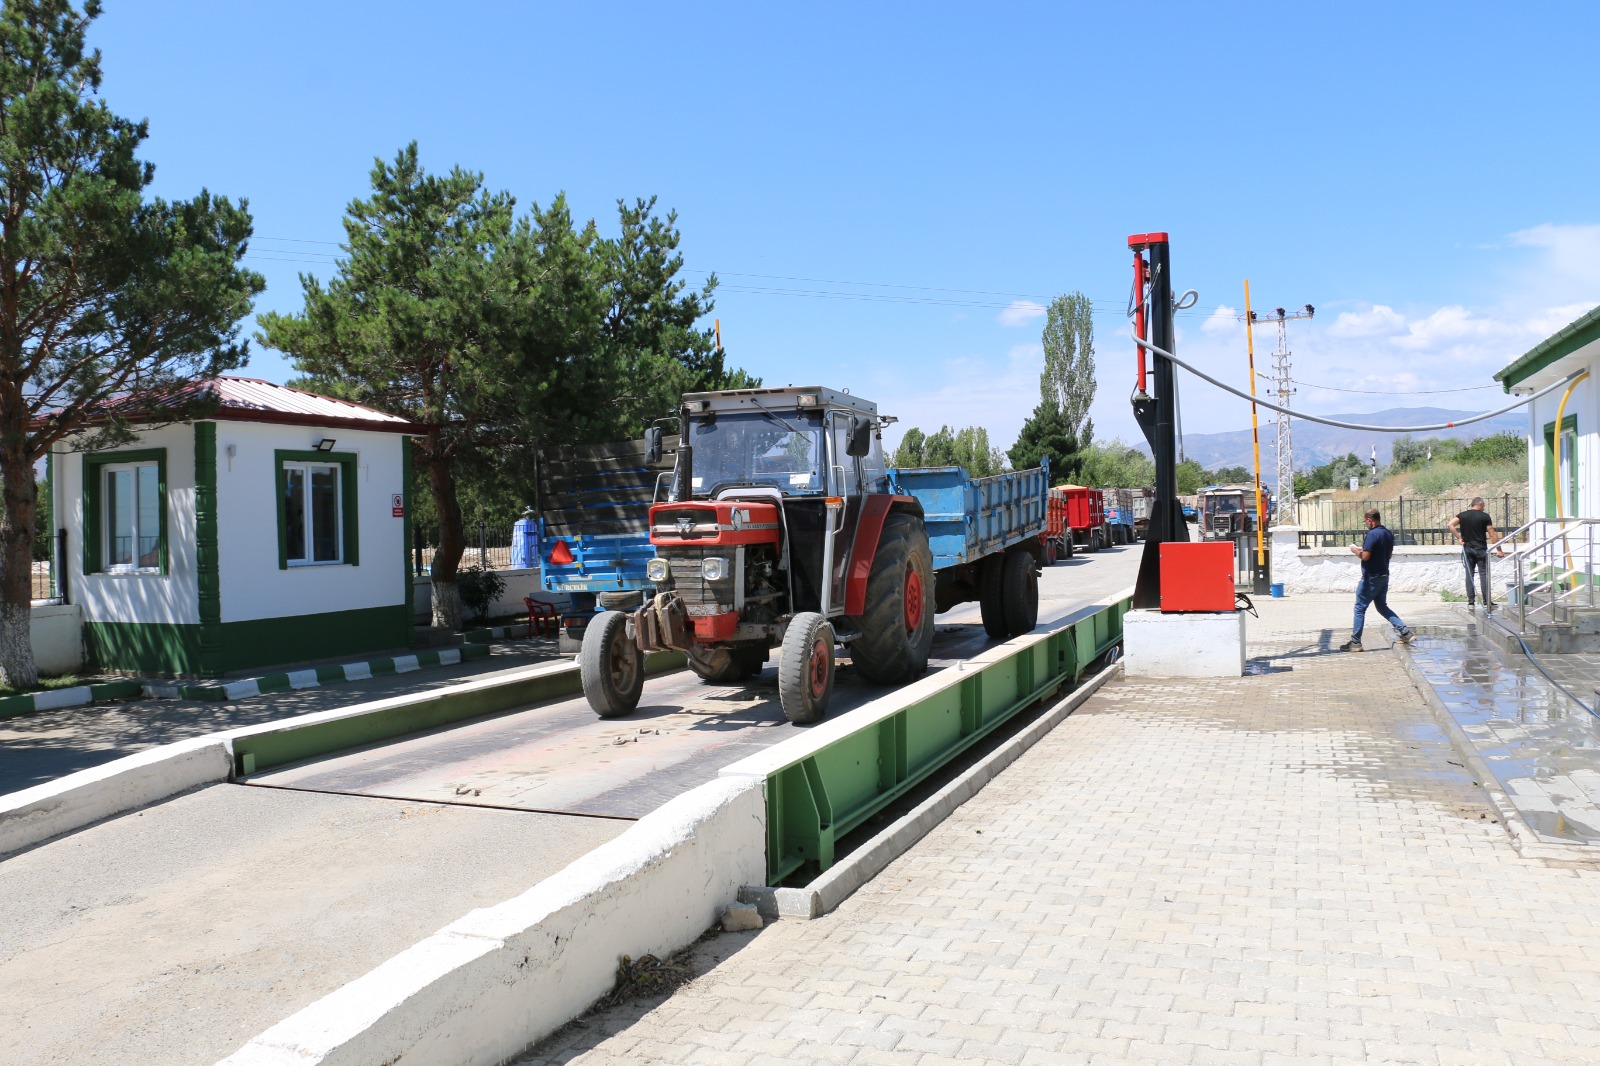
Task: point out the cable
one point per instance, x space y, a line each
1384 392
1202 375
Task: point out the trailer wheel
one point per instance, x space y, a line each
611 666
1094 541
1049 552
991 595
1066 547
1021 584
805 668
897 628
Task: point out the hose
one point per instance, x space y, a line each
1537 665
1202 375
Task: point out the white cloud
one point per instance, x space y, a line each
1224 320
1378 320
1021 313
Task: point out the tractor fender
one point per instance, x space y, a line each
875 510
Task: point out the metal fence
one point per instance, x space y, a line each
43 587
1414 520
488 546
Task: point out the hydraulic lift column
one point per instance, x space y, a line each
1156 414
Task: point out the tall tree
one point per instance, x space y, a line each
1060 426
911 449
448 310
104 295
1068 376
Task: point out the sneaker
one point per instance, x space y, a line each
1350 645
1488 608
1408 637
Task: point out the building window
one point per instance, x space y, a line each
132 526
125 512
316 509
311 512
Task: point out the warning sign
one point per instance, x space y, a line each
399 506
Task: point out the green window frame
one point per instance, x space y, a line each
1553 448
95 507
349 531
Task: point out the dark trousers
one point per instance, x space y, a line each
1374 590
1477 559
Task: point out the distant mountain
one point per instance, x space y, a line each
1315 444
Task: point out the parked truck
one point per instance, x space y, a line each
594 527
1083 523
783 528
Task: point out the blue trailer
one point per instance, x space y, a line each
594 528
973 526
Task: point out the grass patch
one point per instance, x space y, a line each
1440 478
1452 597
61 681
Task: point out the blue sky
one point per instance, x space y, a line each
888 192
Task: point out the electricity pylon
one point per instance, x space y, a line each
1283 387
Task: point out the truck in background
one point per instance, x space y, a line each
594 527
784 529
1083 522
1128 513
1228 510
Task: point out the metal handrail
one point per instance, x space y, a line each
1565 535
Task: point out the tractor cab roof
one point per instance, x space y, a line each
792 397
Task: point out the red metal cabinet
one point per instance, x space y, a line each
1197 575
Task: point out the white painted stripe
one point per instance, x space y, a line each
404 664
357 671
449 656
53 699
303 679
163 692
242 689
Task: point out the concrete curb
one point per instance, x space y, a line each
846 876
316 677
484 988
486 634
54 699
1524 839
35 814
77 800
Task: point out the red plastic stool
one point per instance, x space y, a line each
540 614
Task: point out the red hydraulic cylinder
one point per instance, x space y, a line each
1197 575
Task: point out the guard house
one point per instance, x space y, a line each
1563 425
268 532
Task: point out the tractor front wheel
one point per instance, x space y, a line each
805 668
897 628
611 666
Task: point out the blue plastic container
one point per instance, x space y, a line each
1276 588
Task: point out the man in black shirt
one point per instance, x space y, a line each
1474 530
1375 551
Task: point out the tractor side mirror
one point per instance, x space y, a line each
860 444
652 445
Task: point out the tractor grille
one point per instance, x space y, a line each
695 590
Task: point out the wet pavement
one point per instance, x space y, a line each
1540 746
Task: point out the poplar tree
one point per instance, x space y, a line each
104 295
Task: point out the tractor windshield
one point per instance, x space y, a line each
758 448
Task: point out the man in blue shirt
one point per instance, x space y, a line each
1374 588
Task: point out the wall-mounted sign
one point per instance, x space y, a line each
399 506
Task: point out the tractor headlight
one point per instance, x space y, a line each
657 570
714 568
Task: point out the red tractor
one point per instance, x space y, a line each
781 529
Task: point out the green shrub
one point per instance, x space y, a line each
479 588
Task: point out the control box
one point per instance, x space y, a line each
1197 575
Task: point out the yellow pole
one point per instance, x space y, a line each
1255 432
1555 478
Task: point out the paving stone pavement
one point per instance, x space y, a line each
1289 867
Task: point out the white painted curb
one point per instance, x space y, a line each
79 799
487 986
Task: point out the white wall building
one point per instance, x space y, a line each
1563 426
271 531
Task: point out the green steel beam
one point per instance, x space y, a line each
813 802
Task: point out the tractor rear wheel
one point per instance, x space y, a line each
1021 592
897 629
611 666
714 666
991 595
805 668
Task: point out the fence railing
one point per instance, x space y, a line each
488 547
1414 520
